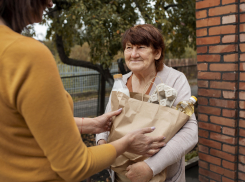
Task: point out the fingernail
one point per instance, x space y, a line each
153 128
120 109
164 138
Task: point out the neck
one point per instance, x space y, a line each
142 80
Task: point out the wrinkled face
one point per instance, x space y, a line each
140 58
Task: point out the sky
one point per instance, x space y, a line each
40 31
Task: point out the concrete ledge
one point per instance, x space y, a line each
192 162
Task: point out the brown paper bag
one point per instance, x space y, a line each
138 113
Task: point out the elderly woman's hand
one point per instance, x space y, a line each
139 172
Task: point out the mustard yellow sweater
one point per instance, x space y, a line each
39 140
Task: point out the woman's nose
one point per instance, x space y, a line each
134 53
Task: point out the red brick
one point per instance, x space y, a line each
222 138
202 101
229 19
242 132
224 179
209 92
209 110
242 104
241 158
223 155
229 39
241 176
242 27
202 83
210 143
208 58
242 95
202 49
203 149
223 67
242 114
242 47
222 171
210 174
229 165
208 40
242 57
230 76
210 127
202 117
242 7
242 66
242 37
202 66
229 94
201 14
242 76
241 167
210 159
229 113
207 22
242 142
229 131
223 48
230 149
201 32
226 29
231 58
222 103
203 133
228 1
207 4
202 179
209 76
223 10
223 121
203 164
242 150
242 123
242 18
223 85
242 86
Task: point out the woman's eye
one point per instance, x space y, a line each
142 47
128 47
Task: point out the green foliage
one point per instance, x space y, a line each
51 45
101 23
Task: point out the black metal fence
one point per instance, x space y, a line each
85 90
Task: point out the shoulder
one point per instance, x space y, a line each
170 76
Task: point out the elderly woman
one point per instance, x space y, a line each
143 47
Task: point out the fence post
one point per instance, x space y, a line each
101 95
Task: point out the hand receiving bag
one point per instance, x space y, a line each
138 113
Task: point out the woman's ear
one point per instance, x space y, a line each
158 53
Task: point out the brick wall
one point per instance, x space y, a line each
221 89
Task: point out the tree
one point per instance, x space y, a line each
101 23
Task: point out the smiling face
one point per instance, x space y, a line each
141 58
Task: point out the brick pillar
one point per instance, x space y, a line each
221 89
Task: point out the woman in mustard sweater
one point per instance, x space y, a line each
39 138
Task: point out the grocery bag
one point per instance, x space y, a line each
138 113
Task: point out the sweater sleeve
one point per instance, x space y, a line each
36 91
183 141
